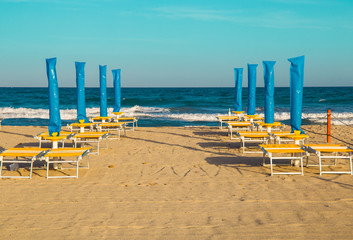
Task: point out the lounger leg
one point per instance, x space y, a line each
271 165
1 159
350 162
77 169
30 170
301 162
47 168
320 165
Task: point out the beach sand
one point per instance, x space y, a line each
177 183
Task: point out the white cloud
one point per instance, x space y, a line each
254 18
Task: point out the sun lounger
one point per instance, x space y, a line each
269 127
291 152
224 119
112 126
21 155
81 127
252 137
333 152
90 137
101 119
45 137
236 126
281 137
64 156
253 118
128 120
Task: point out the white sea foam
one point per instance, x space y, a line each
344 118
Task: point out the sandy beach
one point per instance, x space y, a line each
177 183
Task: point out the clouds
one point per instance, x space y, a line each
267 18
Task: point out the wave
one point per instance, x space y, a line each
343 118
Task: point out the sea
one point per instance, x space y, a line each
174 106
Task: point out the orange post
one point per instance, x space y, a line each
329 126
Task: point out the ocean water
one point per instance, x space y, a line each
174 106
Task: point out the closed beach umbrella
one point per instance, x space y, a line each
53 95
251 89
117 89
103 90
296 91
269 91
238 88
80 88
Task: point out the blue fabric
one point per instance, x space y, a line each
53 95
80 89
269 91
251 89
103 90
296 91
238 88
117 90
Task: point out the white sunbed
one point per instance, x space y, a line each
225 119
252 137
45 137
333 152
21 155
295 152
90 137
239 125
71 156
111 127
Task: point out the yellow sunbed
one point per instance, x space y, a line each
275 126
128 120
81 126
252 137
238 125
281 137
21 155
66 156
331 151
101 119
253 118
112 126
223 119
295 152
45 137
90 137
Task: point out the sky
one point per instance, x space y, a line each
175 43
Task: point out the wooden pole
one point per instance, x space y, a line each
329 126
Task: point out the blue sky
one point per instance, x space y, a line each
169 43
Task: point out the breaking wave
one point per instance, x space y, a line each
165 113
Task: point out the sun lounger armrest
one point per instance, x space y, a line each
238 134
41 154
264 150
86 152
310 149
